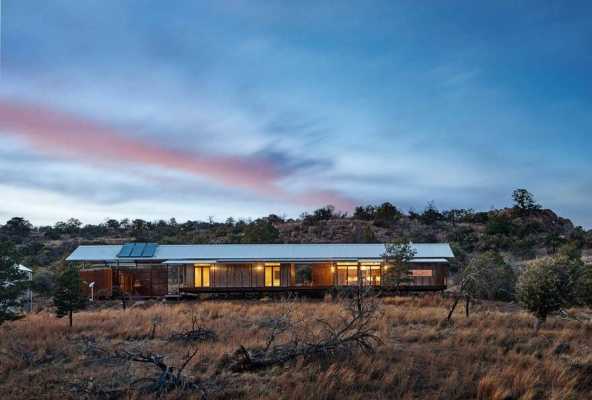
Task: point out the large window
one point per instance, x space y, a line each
202 275
272 274
347 274
370 273
303 274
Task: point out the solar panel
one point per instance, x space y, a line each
126 250
149 250
138 249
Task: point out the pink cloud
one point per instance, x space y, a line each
60 133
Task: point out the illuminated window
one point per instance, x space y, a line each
272 275
202 276
370 274
347 273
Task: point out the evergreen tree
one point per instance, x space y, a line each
13 284
68 297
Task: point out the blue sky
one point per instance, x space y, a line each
193 109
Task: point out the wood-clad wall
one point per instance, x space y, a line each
322 275
439 274
103 279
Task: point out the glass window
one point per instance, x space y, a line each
347 274
370 274
202 276
342 276
272 275
352 275
303 274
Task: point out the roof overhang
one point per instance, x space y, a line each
177 262
429 260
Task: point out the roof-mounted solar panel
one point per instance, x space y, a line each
126 250
149 250
138 249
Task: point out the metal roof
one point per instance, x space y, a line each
258 252
21 267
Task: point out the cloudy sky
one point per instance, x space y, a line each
189 109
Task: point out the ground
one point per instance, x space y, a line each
492 354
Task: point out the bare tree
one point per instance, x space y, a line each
355 330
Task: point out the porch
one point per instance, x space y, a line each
270 277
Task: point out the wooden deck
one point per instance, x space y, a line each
302 289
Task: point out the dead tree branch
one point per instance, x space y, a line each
356 331
195 334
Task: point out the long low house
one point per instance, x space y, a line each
148 269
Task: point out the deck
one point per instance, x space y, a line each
303 289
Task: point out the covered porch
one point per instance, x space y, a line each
207 276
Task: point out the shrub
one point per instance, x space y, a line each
490 277
44 283
547 286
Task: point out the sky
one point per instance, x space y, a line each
195 109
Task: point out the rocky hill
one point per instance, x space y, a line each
519 234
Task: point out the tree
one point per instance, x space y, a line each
13 284
260 231
524 201
487 276
456 215
546 286
44 283
431 214
584 287
68 297
397 257
490 277
18 226
366 213
113 224
386 212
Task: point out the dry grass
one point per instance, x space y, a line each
491 355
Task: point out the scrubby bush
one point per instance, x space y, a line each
548 285
490 277
44 282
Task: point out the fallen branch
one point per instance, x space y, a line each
195 334
357 331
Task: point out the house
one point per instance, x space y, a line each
149 269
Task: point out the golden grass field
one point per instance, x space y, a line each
490 355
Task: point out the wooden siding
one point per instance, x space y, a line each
103 279
322 275
439 274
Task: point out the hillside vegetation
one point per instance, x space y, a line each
522 232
